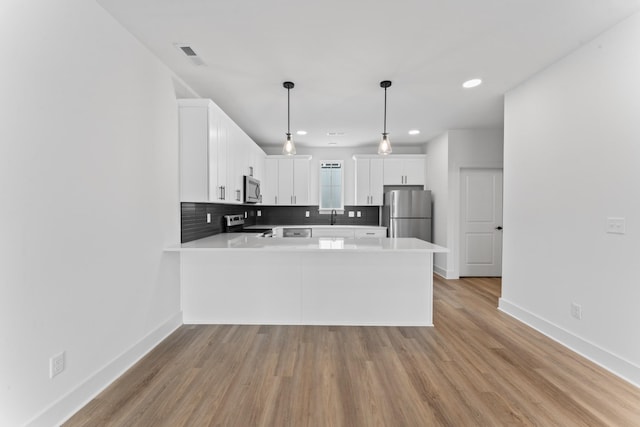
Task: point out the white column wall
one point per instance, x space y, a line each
438 182
89 185
446 155
572 159
472 148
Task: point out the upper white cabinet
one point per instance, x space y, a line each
215 154
369 179
286 180
405 170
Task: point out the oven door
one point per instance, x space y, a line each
251 190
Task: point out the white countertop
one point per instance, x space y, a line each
262 227
251 242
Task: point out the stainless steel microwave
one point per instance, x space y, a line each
252 190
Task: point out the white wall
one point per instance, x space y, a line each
335 153
446 156
88 179
438 182
572 159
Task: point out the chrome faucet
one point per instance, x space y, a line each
333 216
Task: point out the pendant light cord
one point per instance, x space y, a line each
385 111
288 112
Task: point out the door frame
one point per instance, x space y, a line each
460 237
453 227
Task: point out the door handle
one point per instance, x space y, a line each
499 227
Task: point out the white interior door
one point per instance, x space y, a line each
481 222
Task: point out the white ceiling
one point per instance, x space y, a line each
337 52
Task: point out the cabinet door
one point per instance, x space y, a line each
194 154
370 232
285 182
269 185
393 171
376 181
221 191
301 182
363 195
414 171
239 161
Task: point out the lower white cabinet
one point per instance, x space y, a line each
335 232
345 231
369 232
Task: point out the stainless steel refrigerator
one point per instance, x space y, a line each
407 213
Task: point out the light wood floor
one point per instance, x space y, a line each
476 367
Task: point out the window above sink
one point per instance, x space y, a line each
331 186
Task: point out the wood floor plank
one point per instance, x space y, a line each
476 367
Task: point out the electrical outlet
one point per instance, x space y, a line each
306 214
245 215
56 365
359 214
208 218
616 225
259 213
576 310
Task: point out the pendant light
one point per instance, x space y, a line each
384 147
289 147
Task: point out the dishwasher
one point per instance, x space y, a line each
296 232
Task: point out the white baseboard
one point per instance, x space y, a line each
609 361
69 404
444 273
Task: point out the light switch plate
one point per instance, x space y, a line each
616 225
306 214
208 218
359 214
351 214
259 213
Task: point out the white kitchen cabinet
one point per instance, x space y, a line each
291 178
269 185
405 170
332 232
369 180
214 153
301 180
370 232
256 163
237 162
201 145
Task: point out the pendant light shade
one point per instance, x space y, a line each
384 147
289 147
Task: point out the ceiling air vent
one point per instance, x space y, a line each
190 53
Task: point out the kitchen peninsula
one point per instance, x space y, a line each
240 278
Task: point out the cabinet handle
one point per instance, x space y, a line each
295 200
276 200
237 195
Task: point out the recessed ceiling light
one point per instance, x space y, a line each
471 83
301 132
414 132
